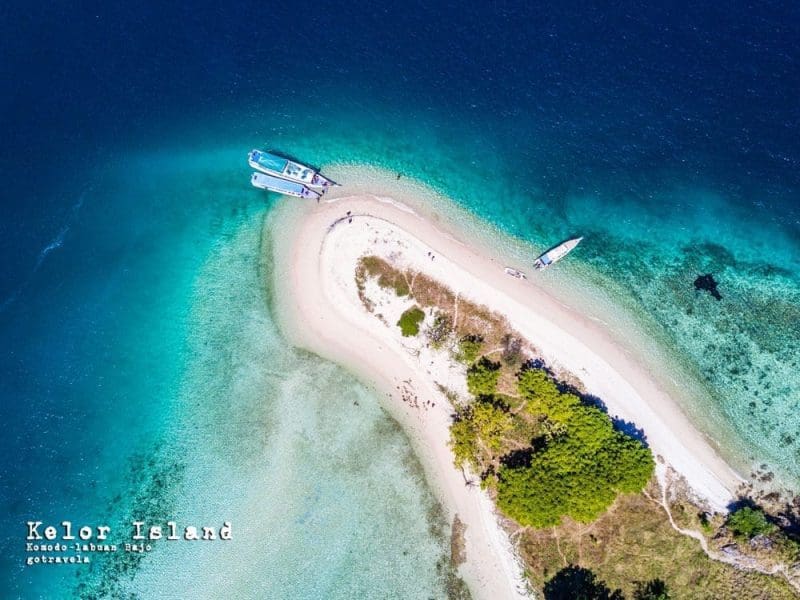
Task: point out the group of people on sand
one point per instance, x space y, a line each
410 398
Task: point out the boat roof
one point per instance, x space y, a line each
279 185
269 161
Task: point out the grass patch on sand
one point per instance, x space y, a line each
388 277
466 318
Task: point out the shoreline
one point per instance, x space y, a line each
313 275
580 289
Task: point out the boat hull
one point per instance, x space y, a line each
556 253
269 182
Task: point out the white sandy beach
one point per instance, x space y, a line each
318 306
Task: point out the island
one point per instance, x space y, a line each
545 439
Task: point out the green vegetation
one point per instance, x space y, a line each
549 454
749 522
464 439
469 320
512 350
469 349
388 277
564 481
788 548
579 464
482 377
480 425
410 320
632 542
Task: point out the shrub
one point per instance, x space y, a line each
410 320
705 524
469 349
749 522
398 284
788 548
482 377
440 329
512 349
388 276
463 439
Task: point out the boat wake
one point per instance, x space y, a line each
54 244
57 242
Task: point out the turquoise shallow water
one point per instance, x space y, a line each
211 416
324 494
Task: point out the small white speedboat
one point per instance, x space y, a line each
556 253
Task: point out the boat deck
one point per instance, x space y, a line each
299 172
282 186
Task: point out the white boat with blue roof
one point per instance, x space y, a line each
556 253
279 166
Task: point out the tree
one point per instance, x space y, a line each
491 423
580 470
482 377
463 439
544 397
561 480
483 422
749 522
577 583
652 590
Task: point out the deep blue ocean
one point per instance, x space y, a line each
140 362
